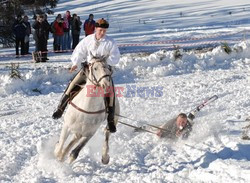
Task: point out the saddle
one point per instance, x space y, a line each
76 90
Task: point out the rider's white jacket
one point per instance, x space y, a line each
89 47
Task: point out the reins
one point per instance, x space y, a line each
96 83
84 111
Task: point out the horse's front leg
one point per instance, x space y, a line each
105 149
74 154
59 146
75 139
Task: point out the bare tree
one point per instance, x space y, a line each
11 8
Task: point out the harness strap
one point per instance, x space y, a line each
107 97
88 112
113 92
103 77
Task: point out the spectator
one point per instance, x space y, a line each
53 30
75 29
27 35
68 41
47 35
89 25
19 31
41 28
66 35
58 35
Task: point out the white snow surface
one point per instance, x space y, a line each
214 152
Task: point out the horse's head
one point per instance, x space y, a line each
99 73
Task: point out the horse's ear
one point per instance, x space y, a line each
104 59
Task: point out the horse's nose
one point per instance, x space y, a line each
105 84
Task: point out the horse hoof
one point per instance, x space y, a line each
71 159
105 161
57 151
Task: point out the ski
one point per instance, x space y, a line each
206 102
199 107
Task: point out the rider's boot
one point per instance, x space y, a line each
61 107
111 123
64 101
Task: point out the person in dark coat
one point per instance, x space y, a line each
40 36
48 31
75 29
27 35
19 31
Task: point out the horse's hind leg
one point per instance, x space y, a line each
70 145
59 146
74 154
105 149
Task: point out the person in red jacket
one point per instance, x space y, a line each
89 25
58 34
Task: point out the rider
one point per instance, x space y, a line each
97 45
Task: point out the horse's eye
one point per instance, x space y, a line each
95 69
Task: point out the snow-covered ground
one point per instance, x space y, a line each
214 152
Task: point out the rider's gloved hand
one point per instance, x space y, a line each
73 68
191 116
84 64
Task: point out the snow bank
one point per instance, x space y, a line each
131 68
36 81
163 63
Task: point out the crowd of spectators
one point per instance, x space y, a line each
65 30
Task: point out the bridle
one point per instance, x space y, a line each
94 80
96 83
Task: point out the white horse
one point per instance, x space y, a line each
86 113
